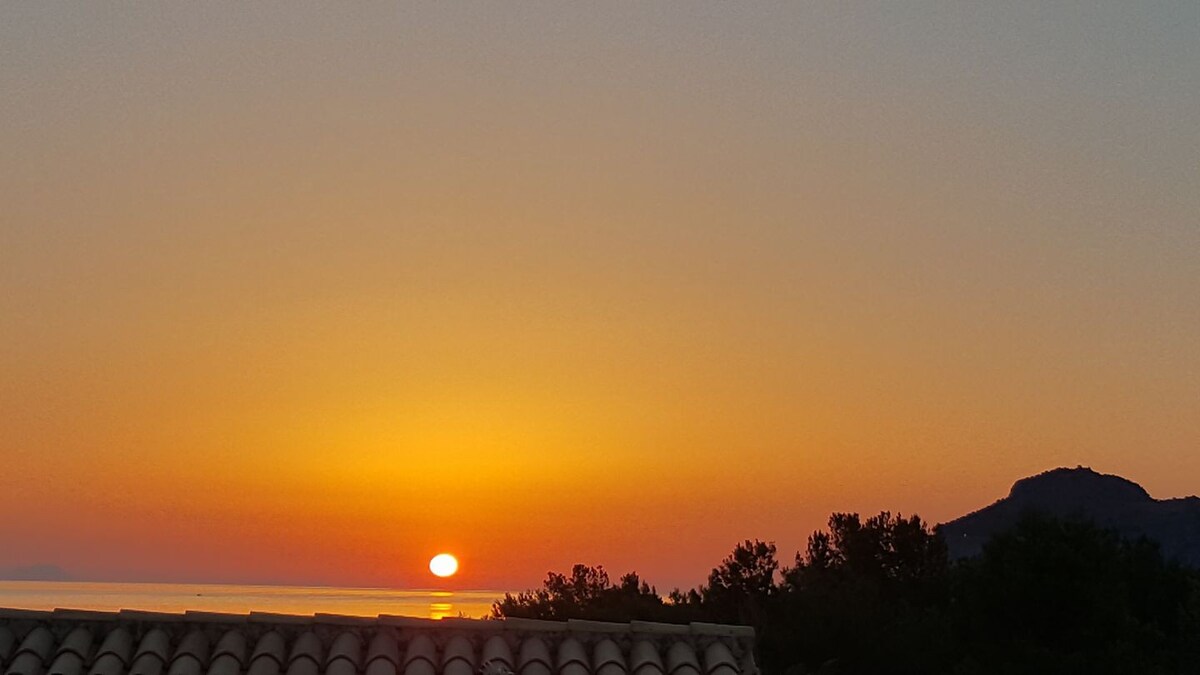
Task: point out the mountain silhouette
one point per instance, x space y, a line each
1106 500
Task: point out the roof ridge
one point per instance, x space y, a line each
348 620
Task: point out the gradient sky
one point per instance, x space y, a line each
307 292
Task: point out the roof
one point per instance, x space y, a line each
83 642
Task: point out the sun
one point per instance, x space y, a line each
443 565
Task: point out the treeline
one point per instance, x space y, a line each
880 596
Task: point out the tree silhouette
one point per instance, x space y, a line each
586 594
739 588
879 596
1069 597
866 596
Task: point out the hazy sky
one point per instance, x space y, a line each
307 292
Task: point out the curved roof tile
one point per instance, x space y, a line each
347 647
73 652
420 657
39 642
344 655
107 664
420 648
186 665
191 656
224 664
194 645
572 658
307 646
306 655
341 667
77 642
383 654
303 665
26 663
232 644
458 656
263 665
749 667
534 657
644 659
67 663
497 649
681 660
117 644
7 642
270 647
607 653
718 660
147 663
154 644
148 643
380 667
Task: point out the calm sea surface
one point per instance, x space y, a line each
241 599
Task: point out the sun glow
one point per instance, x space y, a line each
443 565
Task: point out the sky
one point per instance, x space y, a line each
306 292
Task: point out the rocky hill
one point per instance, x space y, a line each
1109 501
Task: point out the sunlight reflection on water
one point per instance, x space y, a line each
242 599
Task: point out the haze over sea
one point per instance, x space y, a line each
431 603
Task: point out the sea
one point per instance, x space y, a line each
427 603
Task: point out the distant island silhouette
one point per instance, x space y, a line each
1081 493
36 572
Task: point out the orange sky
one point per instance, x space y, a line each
309 296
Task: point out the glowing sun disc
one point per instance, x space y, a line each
443 565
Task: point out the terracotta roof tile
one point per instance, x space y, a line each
497 649
147 663
191 656
383 648
718 660
644 659
572 658
8 643
270 647
67 663
421 656
77 642
229 655
119 644
72 653
84 642
607 659
458 656
345 655
194 645
186 665
107 664
749 667
346 647
39 641
306 655
534 658
232 644
681 660
263 665
26 663
31 656
154 643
